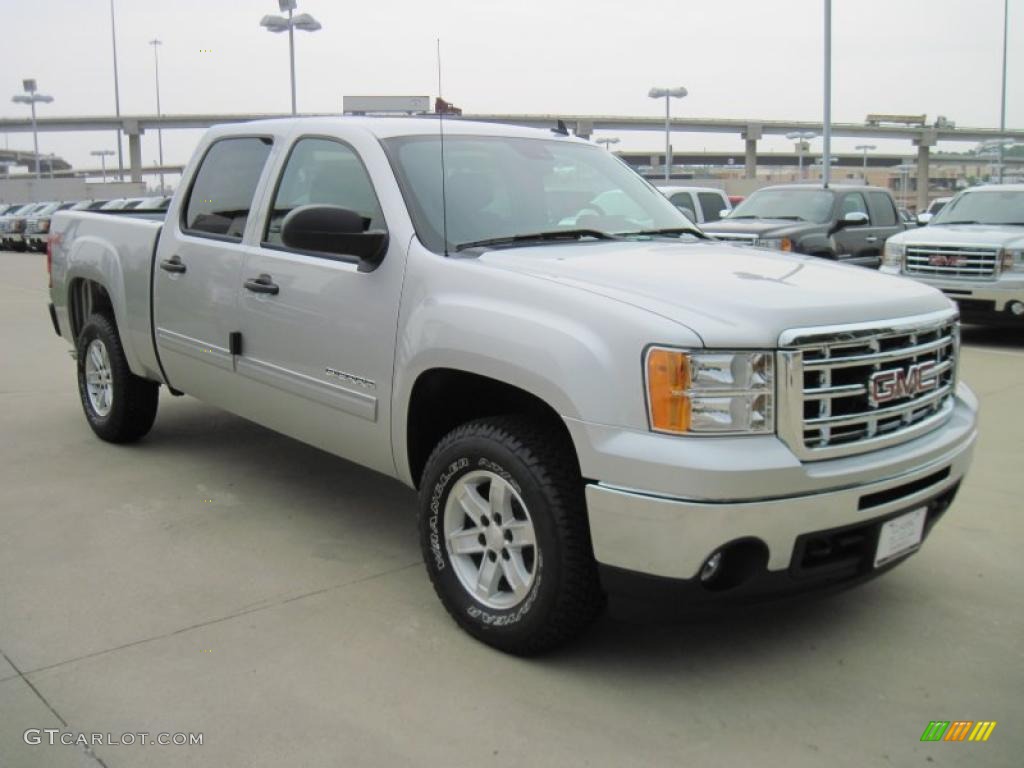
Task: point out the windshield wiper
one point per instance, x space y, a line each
958 222
666 231
555 234
733 218
790 218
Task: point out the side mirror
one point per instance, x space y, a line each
853 218
335 230
924 218
723 213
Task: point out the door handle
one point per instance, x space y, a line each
173 265
262 284
871 239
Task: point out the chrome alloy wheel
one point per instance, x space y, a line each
99 378
490 539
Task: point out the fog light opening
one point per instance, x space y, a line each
711 566
734 564
1017 308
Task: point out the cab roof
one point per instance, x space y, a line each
388 127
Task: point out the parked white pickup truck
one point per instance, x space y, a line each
589 402
973 251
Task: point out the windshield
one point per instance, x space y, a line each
984 207
798 204
500 188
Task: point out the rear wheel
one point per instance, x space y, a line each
505 537
119 406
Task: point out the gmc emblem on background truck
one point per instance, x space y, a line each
897 383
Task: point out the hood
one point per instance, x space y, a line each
731 296
1007 236
757 227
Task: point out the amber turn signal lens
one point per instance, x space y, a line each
668 379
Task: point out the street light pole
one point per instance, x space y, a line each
103 154
156 43
117 94
1002 110
30 97
303 21
608 142
800 137
827 132
291 55
865 148
668 94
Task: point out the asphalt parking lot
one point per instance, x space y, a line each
220 579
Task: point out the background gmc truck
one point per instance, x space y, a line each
973 251
589 402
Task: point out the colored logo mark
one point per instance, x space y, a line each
958 730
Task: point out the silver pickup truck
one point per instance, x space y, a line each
590 402
973 251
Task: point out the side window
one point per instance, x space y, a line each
322 172
225 184
854 203
712 205
683 201
883 212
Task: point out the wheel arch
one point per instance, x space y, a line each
443 398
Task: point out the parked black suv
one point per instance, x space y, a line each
845 223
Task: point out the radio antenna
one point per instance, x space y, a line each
442 107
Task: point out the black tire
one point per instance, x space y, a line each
538 463
133 401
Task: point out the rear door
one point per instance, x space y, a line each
318 335
197 275
711 205
885 219
684 201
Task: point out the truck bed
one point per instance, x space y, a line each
116 251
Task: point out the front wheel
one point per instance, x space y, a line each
119 406
505 537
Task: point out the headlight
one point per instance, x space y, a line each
1012 259
775 243
710 392
893 256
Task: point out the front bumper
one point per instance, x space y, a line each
671 536
996 295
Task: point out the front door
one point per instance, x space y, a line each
318 334
197 274
853 243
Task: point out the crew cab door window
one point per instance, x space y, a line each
322 172
712 205
853 202
883 212
684 202
221 195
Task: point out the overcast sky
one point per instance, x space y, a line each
738 58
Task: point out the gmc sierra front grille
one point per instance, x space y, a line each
862 388
962 261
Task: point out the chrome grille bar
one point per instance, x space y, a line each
951 261
831 411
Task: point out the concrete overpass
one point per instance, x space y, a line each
47 163
749 130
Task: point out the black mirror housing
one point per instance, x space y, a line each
334 230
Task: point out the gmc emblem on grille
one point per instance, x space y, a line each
897 383
945 260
